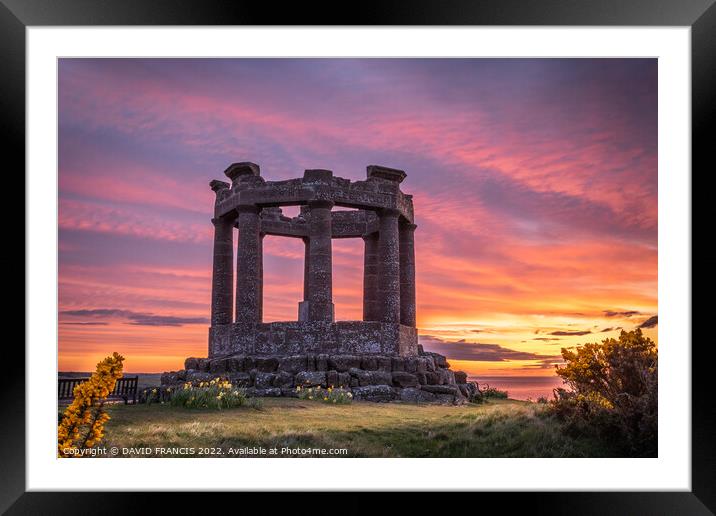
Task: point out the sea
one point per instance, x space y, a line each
521 387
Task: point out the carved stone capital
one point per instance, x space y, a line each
388 212
218 186
244 168
389 174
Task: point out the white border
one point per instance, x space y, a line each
671 471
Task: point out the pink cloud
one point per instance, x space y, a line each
527 207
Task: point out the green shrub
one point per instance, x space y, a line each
155 395
494 393
613 391
330 395
216 394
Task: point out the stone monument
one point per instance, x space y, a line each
378 357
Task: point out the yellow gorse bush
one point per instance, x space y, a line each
82 424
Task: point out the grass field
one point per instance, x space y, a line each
504 428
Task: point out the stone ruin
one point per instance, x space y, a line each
378 358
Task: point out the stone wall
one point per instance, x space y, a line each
293 338
423 378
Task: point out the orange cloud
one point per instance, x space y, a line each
535 195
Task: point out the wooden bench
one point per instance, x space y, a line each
125 388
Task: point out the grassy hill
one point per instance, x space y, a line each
500 428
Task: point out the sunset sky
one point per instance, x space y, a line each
534 184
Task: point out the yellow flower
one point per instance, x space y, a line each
86 408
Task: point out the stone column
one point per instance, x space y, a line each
389 267
303 305
320 263
222 288
370 278
306 266
261 275
407 274
248 268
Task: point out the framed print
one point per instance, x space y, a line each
409 246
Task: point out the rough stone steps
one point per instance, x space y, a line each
425 378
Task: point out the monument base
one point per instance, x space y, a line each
425 377
296 337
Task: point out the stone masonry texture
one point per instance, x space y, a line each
380 213
378 358
424 378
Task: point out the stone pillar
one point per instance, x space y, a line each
407 274
306 266
320 263
222 288
303 305
261 276
248 268
389 267
370 278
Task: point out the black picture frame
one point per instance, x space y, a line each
700 15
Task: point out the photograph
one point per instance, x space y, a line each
358 257
420 248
